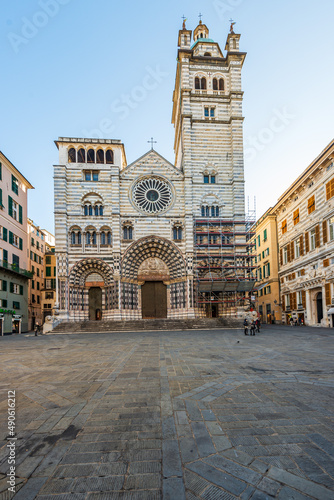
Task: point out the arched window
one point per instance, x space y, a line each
207 211
96 210
91 156
103 238
177 233
109 238
197 83
73 238
88 238
217 211
109 156
213 211
203 83
207 54
203 211
79 238
100 156
101 210
94 238
86 210
81 156
201 35
127 232
221 84
215 84
72 155
90 210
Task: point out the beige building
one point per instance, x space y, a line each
266 259
305 222
14 265
36 250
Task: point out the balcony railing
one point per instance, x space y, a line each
15 269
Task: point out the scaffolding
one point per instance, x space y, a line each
223 264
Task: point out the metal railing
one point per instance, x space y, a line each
16 269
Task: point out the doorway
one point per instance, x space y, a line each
319 307
154 300
95 303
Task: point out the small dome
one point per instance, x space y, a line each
201 32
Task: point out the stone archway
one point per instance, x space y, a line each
153 247
156 267
91 290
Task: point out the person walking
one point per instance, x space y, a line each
37 329
291 321
245 326
252 328
257 323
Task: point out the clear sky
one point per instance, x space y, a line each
69 67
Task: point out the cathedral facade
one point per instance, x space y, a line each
151 239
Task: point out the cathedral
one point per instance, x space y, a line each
153 239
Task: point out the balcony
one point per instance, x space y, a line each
14 268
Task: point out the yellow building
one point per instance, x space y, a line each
266 259
49 286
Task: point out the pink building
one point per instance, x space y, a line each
14 266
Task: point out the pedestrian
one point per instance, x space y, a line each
245 326
252 328
296 322
257 323
291 321
37 329
300 321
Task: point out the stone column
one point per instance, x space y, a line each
308 308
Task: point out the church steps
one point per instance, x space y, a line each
147 324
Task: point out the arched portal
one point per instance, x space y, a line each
91 290
156 268
153 247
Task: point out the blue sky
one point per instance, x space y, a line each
69 67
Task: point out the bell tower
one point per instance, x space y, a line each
208 121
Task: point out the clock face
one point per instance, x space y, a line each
152 195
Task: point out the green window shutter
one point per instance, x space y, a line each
10 237
268 269
11 288
10 206
21 289
48 271
20 215
4 286
5 253
21 244
0 171
54 271
4 234
0 194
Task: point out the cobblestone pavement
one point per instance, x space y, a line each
173 415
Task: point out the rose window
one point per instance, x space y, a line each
152 195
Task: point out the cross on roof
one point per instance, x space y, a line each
200 16
152 142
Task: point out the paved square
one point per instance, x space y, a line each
174 415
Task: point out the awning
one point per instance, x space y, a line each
260 287
331 311
226 286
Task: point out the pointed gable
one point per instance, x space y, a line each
152 163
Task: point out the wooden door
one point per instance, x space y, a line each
95 303
154 300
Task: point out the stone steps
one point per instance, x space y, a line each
146 324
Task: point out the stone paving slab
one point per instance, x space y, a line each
170 415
